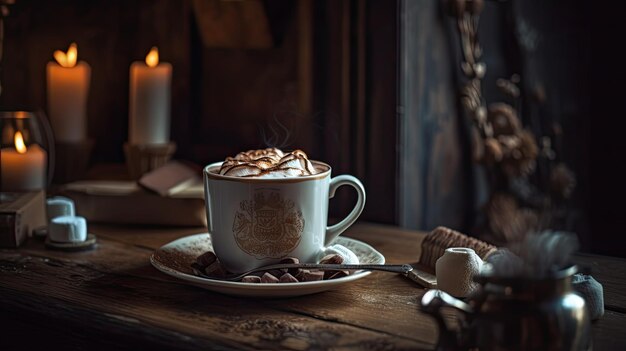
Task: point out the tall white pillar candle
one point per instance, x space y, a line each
68 88
22 168
149 102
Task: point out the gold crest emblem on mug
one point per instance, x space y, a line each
268 226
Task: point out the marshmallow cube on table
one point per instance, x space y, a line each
66 229
456 269
59 206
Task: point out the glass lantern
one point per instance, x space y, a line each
26 158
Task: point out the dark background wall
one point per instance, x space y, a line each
607 174
548 45
570 49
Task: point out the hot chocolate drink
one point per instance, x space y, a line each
265 205
268 163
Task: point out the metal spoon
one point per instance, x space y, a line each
422 278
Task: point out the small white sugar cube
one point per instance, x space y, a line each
59 206
67 229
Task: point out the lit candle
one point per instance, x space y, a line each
68 88
22 168
149 108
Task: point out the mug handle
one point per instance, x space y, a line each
334 230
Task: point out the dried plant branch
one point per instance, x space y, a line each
500 142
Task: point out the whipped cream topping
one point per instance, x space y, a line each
268 163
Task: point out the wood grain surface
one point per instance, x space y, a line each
115 292
111 297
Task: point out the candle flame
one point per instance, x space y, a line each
19 143
152 59
68 59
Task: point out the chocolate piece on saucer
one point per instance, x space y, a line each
88 244
293 271
288 278
335 274
276 272
311 276
268 278
332 259
215 269
251 279
206 259
197 269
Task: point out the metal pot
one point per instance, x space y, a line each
515 314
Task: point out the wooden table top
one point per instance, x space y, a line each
111 297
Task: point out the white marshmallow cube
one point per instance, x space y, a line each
67 229
59 206
455 271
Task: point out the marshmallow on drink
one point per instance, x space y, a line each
59 206
67 229
268 163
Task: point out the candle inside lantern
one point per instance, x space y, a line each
149 103
22 168
68 88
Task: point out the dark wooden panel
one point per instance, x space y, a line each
331 99
380 99
434 174
355 98
249 98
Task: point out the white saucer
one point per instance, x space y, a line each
176 257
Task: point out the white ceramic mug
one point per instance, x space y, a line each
255 222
